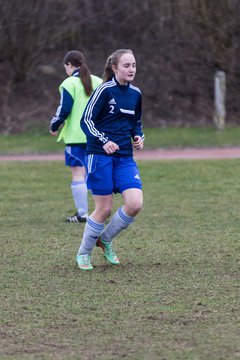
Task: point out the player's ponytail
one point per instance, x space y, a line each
113 60
85 76
108 71
77 59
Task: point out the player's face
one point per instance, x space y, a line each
69 69
125 71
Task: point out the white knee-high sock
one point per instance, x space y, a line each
119 221
91 233
80 196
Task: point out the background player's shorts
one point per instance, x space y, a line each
108 174
75 155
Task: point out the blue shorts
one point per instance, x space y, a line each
108 174
75 155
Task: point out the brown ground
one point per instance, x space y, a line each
157 154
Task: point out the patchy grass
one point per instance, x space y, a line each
155 137
175 294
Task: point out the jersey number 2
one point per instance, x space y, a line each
111 109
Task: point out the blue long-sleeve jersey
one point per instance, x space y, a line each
113 113
65 107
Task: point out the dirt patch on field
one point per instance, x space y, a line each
157 154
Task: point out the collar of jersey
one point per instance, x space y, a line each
124 87
76 72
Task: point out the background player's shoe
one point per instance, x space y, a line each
108 251
77 218
83 262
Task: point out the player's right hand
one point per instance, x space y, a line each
110 147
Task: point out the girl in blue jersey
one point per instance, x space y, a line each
112 124
75 92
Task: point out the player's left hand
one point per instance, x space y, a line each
138 142
54 133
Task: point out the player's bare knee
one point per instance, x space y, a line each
137 209
134 208
106 211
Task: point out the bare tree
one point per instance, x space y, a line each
179 45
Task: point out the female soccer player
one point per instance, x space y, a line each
112 124
75 92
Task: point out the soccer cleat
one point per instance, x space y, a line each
83 262
77 218
108 251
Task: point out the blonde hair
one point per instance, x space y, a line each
113 60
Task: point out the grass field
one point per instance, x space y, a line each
155 138
175 294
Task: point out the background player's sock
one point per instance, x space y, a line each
80 196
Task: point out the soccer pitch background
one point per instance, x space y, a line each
175 294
